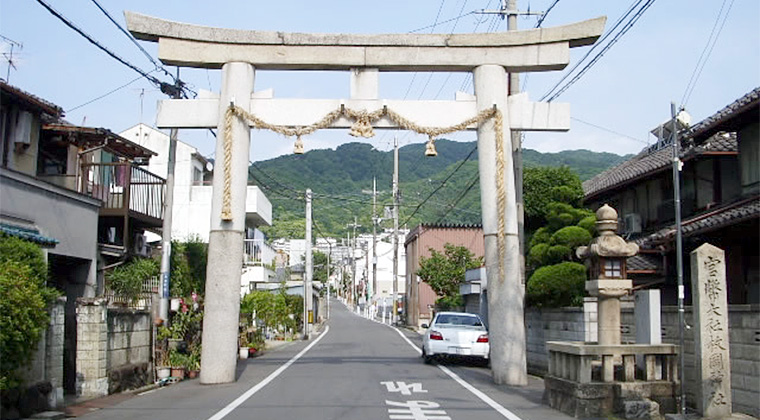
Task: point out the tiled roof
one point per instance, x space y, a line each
643 262
27 234
647 163
30 100
712 220
711 124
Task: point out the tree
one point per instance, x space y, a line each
554 277
545 185
24 300
444 272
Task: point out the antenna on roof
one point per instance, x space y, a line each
9 56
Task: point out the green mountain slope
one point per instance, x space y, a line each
442 189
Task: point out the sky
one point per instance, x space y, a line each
613 106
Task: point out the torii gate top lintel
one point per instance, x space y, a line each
188 45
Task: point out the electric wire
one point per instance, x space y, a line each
107 93
546 13
441 185
701 63
608 130
628 25
134 41
165 87
473 181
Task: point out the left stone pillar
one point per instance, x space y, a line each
226 237
92 343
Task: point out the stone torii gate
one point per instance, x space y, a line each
488 56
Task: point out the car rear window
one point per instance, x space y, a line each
467 321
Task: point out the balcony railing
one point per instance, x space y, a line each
258 252
124 188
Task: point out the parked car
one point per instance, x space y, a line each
458 334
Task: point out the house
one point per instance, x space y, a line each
191 205
720 200
81 193
419 297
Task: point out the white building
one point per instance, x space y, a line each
191 209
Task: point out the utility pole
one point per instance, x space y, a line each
394 315
374 235
166 229
353 261
329 251
308 304
679 251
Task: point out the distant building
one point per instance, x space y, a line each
419 297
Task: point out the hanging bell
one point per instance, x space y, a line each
430 148
298 147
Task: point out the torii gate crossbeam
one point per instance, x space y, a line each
488 56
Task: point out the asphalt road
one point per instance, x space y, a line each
354 369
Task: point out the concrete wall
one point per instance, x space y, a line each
542 325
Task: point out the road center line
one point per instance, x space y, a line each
478 393
256 388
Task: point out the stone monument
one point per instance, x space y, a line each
710 308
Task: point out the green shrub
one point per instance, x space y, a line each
556 254
24 301
558 285
127 280
588 223
571 236
538 255
540 236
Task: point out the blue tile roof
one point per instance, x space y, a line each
31 235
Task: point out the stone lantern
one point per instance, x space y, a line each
606 256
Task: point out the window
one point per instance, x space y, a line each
613 269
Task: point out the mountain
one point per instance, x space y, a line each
341 180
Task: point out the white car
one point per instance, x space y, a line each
455 334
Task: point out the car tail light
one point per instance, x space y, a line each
483 338
435 335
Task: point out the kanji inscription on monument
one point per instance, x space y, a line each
710 307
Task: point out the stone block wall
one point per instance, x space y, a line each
129 349
550 324
744 350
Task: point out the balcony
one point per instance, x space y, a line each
125 190
258 253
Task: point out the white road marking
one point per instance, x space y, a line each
403 387
256 388
478 393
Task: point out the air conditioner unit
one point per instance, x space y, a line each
140 245
632 223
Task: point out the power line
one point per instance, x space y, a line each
441 184
700 63
626 27
546 13
107 93
134 41
608 130
473 181
166 88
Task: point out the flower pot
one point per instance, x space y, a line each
251 351
192 374
178 372
163 372
243 352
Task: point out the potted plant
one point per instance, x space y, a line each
178 362
163 367
243 344
194 362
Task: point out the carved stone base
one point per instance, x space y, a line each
599 399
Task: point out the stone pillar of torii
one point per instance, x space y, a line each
489 57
